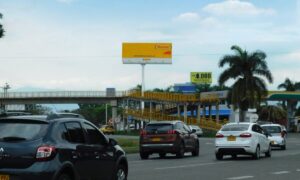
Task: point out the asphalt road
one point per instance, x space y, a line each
284 164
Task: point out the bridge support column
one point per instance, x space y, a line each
204 112
178 110
198 114
185 113
114 112
150 112
217 113
209 110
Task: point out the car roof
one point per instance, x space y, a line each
40 118
164 122
236 123
271 125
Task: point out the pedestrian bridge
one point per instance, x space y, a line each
60 97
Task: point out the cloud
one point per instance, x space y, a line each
187 17
236 8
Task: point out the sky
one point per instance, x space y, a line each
77 44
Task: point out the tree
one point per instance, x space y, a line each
289 85
271 113
1 28
249 71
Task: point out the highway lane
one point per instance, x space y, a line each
282 165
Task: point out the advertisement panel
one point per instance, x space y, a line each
201 77
147 53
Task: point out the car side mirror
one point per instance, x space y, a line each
112 142
193 131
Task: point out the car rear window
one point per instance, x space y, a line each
22 131
235 127
272 129
158 128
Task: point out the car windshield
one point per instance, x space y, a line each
235 127
158 128
272 129
20 131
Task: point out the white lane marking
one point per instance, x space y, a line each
280 172
188 165
240 177
298 170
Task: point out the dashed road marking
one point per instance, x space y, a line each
280 172
188 166
298 170
240 177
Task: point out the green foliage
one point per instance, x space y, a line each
272 113
1 28
94 112
249 71
37 109
129 145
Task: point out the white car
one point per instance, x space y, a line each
242 138
198 130
277 135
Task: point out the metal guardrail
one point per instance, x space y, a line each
61 94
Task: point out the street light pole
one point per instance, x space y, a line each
5 92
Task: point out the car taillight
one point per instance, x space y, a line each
171 132
219 135
245 135
143 132
45 153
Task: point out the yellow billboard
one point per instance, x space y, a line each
147 53
201 77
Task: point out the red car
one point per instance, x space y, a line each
168 137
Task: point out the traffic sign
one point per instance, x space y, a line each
201 77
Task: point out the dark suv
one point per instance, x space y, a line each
39 148
168 137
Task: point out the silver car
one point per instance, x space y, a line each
198 130
277 135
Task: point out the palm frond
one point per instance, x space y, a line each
264 73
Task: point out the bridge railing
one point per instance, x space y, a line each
60 94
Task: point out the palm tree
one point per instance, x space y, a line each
289 85
1 28
249 71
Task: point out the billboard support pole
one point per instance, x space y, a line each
143 85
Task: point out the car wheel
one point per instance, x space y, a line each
144 155
162 155
195 152
121 173
256 155
234 156
64 177
180 152
219 156
269 152
283 147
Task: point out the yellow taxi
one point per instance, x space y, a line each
107 129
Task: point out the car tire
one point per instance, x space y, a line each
283 147
256 155
195 152
180 151
219 156
121 173
144 155
233 156
64 177
162 155
269 152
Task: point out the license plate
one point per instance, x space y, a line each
153 139
272 142
4 177
231 138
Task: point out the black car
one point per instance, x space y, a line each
164 137
41 148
